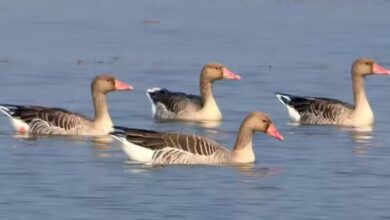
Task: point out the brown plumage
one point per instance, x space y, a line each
167 105
56 121
175 148
324 111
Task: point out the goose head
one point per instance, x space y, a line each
108 83
261 122
216 71
366 66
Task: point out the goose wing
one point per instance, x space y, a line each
154 140
44 120
316 110
175 102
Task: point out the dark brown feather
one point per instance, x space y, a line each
175 101
54 116
159 140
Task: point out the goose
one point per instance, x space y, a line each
308 110
152 147
167 105
32 119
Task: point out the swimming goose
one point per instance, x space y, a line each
324 111
167 105
154 147
55 121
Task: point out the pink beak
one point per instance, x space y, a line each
119 85
380 70
272 131
227 74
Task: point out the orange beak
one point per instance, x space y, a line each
272 131
377 69
119 85
227 74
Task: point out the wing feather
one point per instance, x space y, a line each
175 102
160 140
44 120
319 110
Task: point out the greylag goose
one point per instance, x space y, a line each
153 147
55 121
167 105
324 111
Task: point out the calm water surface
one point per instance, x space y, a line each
51 50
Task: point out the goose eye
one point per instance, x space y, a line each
264 121
108 80
367 63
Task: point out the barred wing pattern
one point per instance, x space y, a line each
176 156
319 110
175 148
43 120
171 104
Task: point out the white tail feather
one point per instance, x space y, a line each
135 152
153 89
280 98
18 124
292 113
5 110
151 100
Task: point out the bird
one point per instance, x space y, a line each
167 105
164 148
307 110
41 120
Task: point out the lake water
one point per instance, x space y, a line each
50 50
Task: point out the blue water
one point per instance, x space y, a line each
50 51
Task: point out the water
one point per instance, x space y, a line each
51 50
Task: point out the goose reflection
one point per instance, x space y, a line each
362 136
251 170
203 124
101 144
